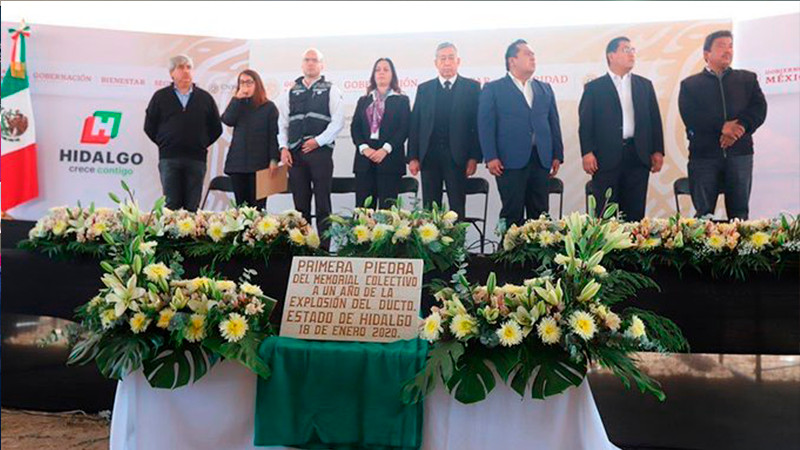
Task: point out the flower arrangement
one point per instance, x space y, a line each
727 248
434 236
544 334
238 231
146 316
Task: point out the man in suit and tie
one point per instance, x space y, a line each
520 135
620 132
443 136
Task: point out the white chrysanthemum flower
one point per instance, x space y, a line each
361 232
268 226
251 289
463 325
428 233
186 226
225 285
216 231
549 331
403 232
510 334
157 272
636 330
234 327
380 231
582 324
431 328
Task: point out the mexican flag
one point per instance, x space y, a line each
18 164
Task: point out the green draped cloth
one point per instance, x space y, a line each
338 395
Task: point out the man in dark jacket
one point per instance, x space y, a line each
183 120
620 132
721 108
443 138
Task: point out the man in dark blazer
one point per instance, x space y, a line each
620 130
443 136
520 135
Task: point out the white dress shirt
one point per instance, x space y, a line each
328 135
452 81
525 87
623 85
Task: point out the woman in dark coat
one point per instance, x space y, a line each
379 131
254 146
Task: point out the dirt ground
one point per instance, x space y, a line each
46 431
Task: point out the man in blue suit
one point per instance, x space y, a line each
520 136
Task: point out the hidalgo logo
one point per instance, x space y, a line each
101 127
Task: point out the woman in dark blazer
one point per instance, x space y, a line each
379 130
255 136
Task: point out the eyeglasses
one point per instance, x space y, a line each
247 82
629 50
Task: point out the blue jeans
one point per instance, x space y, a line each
732 176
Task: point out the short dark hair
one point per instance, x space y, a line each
613 45
513 49
713 36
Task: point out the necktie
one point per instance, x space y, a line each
447 85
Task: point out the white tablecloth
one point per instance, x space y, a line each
218 413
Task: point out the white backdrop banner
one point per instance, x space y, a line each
86 79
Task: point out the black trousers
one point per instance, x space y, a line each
382 187
524 190
732 176
312 173
628 183
244 189
182 182
437 168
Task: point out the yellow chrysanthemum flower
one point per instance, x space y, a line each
234 327
312 240
636 330
716 241
251 289
582 324
510 334
296 236
107 318
759 239
186 226
157 272
195 330
59 227
361 232
549 331
431 328
99 228
380 231
164 317
428 233
226 285
463 325
403 232
139 322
